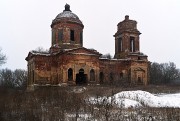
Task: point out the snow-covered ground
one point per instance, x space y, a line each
126 99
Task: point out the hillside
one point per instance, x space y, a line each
86 103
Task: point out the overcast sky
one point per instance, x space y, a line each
25 25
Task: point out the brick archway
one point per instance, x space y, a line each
81 78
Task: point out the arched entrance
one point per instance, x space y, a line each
139 76
81 78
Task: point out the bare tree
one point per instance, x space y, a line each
6 78
12 79
164 73
108 56
171 73
41 49
20 77
2 58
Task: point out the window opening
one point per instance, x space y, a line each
53 37
70 74
72 35
81 37
101 77
111 77
119 44
132 44
60 35
92 75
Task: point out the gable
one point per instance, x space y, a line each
34 53
83 51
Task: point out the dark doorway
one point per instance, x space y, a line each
121 75
81 78
139 80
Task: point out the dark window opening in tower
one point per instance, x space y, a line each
53 37
81 37
60 35
132 44
120 45
70 74
72 35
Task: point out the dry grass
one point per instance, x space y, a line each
54 103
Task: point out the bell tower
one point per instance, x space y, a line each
126 38
67 31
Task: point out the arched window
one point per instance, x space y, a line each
132 44
92 75
111 77
70 74
81 37
53 37
101 77
72 35
60 35
119 44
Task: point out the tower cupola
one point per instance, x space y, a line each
126 38
67 30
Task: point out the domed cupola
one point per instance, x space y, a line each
67 30
67 15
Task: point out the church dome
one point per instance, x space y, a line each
67 15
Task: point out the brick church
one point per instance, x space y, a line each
69 63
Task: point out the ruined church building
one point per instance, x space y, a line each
69 63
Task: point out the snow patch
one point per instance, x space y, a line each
67 14
148 99
136 99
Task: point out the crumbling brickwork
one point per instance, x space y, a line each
68 63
